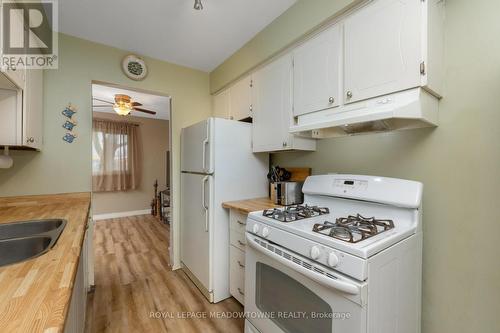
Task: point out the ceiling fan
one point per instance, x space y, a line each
122 105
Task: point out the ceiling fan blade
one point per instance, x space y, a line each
144 110
136 104
101 100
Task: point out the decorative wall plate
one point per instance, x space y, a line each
134 67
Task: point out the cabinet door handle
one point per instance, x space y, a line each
241 292
331 100
240 223
241 243
240 264
349 94
30 140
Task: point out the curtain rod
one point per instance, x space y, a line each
117 121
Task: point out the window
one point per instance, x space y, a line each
115 161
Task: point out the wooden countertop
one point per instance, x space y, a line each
250 205
35 295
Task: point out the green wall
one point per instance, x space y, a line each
458 162
61 167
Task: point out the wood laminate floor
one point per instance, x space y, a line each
135 285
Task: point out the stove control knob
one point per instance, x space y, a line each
255 229
265 232
333 260
315 252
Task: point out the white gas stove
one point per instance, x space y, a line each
355 238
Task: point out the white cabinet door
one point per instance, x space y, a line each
75 320
33 109
382 49
222 105
17 33
11 115
272 105
241 99
316 74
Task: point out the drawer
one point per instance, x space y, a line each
237 286
236 259
237 221
237 239
237 275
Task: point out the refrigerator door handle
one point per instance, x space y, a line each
205 206
204 150
204 155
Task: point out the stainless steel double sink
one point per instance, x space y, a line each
25 240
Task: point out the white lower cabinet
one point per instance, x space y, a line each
237 255
75 320
237 274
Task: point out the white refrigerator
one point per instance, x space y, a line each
217 165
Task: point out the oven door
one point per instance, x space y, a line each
285 292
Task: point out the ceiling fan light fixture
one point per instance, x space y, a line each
198 5
122 108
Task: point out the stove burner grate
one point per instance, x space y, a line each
294 213
353 229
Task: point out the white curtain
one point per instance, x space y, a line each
115 156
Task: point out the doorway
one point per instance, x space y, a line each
131 153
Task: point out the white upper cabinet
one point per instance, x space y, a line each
16 75
241 99
11 112
383 49
378 67
272 109
316 72
222 105
21 111
33 109
234 102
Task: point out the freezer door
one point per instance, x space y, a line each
197 147
196 231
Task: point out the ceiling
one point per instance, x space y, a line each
171 30
160 104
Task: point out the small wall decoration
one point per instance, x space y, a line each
69 123
69 137
69 111
134 67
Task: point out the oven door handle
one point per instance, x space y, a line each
337 284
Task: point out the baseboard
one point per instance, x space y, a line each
97 217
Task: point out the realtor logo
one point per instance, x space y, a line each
29 34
